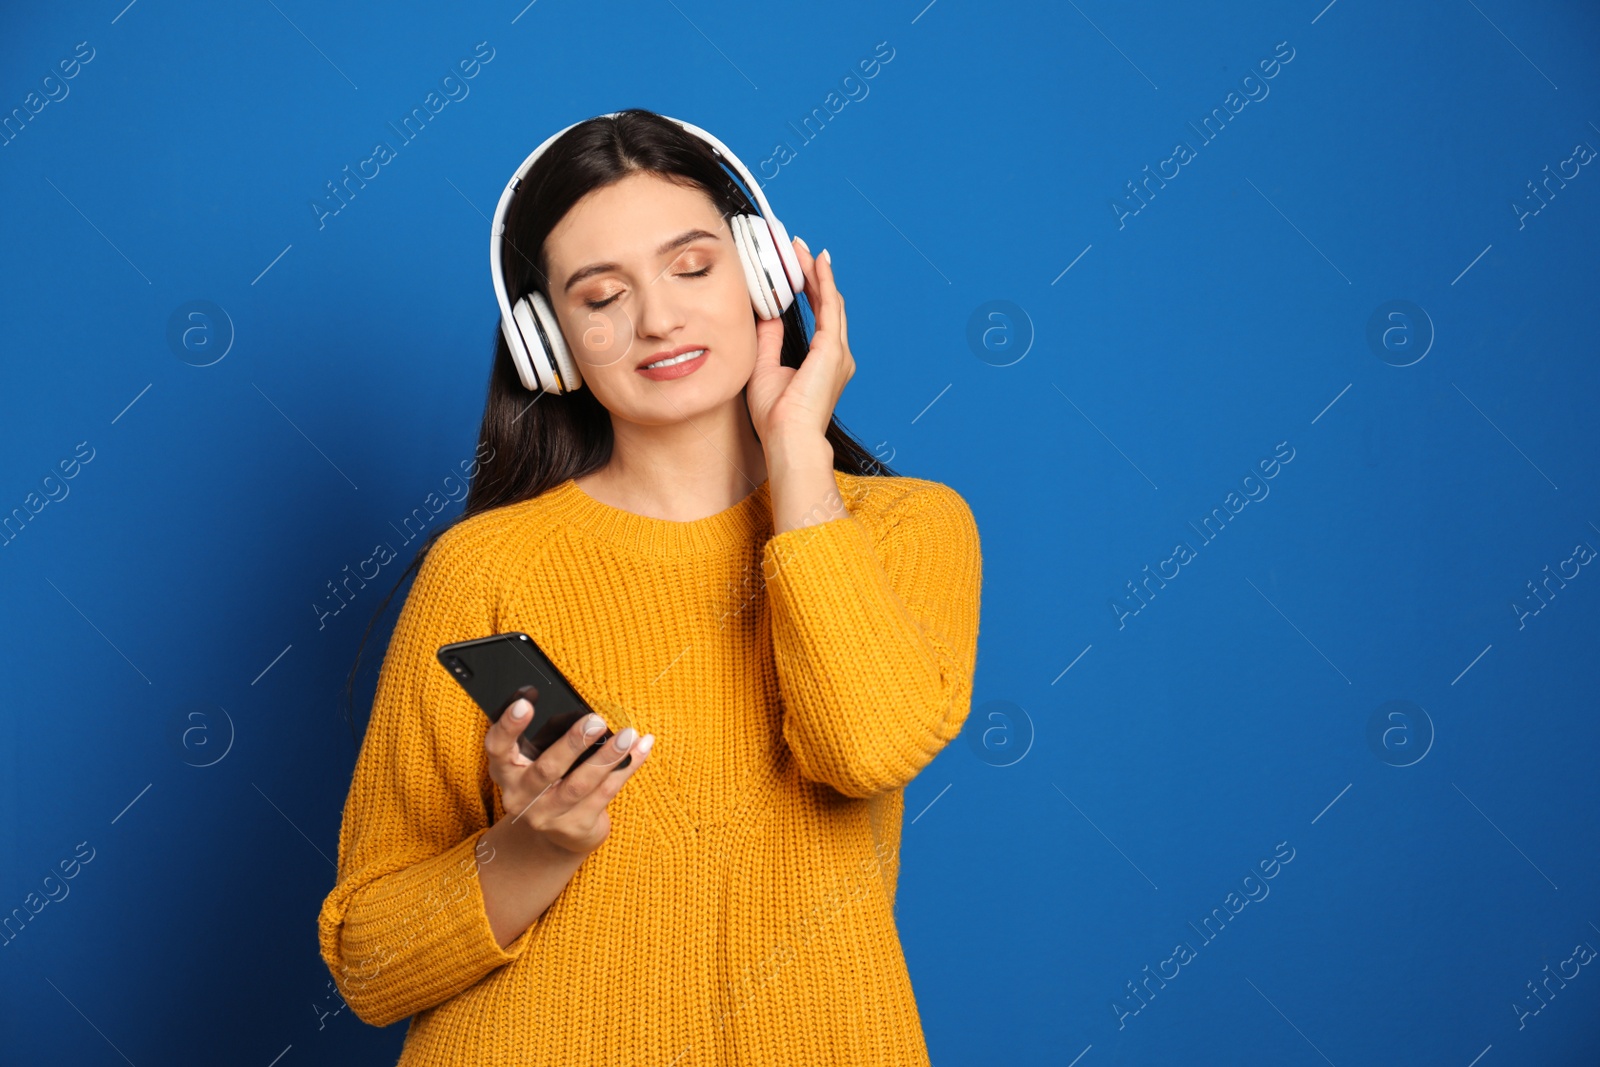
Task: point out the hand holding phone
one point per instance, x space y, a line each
572 819
495 670
560 799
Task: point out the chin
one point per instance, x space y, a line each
686 400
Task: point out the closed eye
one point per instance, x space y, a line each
597 304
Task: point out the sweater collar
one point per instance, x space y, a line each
745 523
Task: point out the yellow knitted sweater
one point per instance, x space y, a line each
742 909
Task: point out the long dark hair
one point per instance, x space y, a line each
529 443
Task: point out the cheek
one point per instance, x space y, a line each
737 319
731 291
600 338
735 309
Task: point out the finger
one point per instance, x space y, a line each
554 762
589 774
829 289
543 776
808 267
806 260
844 337
844 324
502 738
769 341
830 293
611 784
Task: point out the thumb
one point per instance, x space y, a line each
769 342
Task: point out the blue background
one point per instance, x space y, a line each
1122 773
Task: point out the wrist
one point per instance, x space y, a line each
804 492
798 451
548 851
525 843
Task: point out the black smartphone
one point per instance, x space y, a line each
495 670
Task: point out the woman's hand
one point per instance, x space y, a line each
568 814
789 405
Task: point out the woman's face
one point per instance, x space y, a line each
641 270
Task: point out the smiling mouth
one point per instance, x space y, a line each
695 353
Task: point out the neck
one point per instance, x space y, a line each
683 470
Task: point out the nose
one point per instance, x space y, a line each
658 312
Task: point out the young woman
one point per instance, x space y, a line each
782 631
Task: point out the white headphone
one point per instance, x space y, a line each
543 360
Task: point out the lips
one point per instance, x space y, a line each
686 362
671 354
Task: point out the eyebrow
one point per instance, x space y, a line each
600 268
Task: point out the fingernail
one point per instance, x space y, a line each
626 738
594 725
826 258
519 710
646 743
802 243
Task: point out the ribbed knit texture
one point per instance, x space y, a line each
742 909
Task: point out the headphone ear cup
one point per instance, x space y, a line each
750 261
771 265
571 376
788 261
531 357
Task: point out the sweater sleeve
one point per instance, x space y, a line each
875 639
405 926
